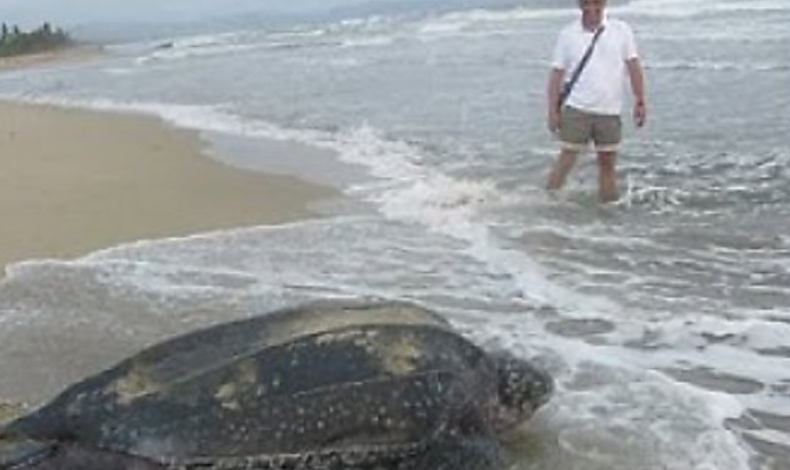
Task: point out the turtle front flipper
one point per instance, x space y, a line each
464 453
19 453
22 453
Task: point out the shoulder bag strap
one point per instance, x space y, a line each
568 86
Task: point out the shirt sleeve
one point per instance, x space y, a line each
629 44
559 55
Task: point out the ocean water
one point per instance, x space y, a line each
664 317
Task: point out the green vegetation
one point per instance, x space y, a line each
16 42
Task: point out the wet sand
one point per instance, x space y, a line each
69 54
74 181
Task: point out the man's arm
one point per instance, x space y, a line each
637 77
553 98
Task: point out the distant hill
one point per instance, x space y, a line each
14 42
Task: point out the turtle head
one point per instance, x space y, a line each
523 388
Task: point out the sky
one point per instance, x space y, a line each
29 13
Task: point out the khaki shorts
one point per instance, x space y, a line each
579 128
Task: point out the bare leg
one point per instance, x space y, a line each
561 168
607 176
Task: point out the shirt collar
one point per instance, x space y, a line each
581 27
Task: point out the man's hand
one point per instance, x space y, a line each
553 99
637 76
553 121
640 113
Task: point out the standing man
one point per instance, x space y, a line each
591 112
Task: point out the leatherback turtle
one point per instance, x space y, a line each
329 385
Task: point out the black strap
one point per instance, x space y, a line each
568 86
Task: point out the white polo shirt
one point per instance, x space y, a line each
599 88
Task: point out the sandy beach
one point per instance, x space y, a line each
73 181
70 54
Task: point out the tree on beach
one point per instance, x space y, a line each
16 42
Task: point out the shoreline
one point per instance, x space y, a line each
73 53
73 181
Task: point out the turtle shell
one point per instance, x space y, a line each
332 380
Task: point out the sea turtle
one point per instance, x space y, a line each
328 385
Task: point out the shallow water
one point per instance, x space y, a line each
664 317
